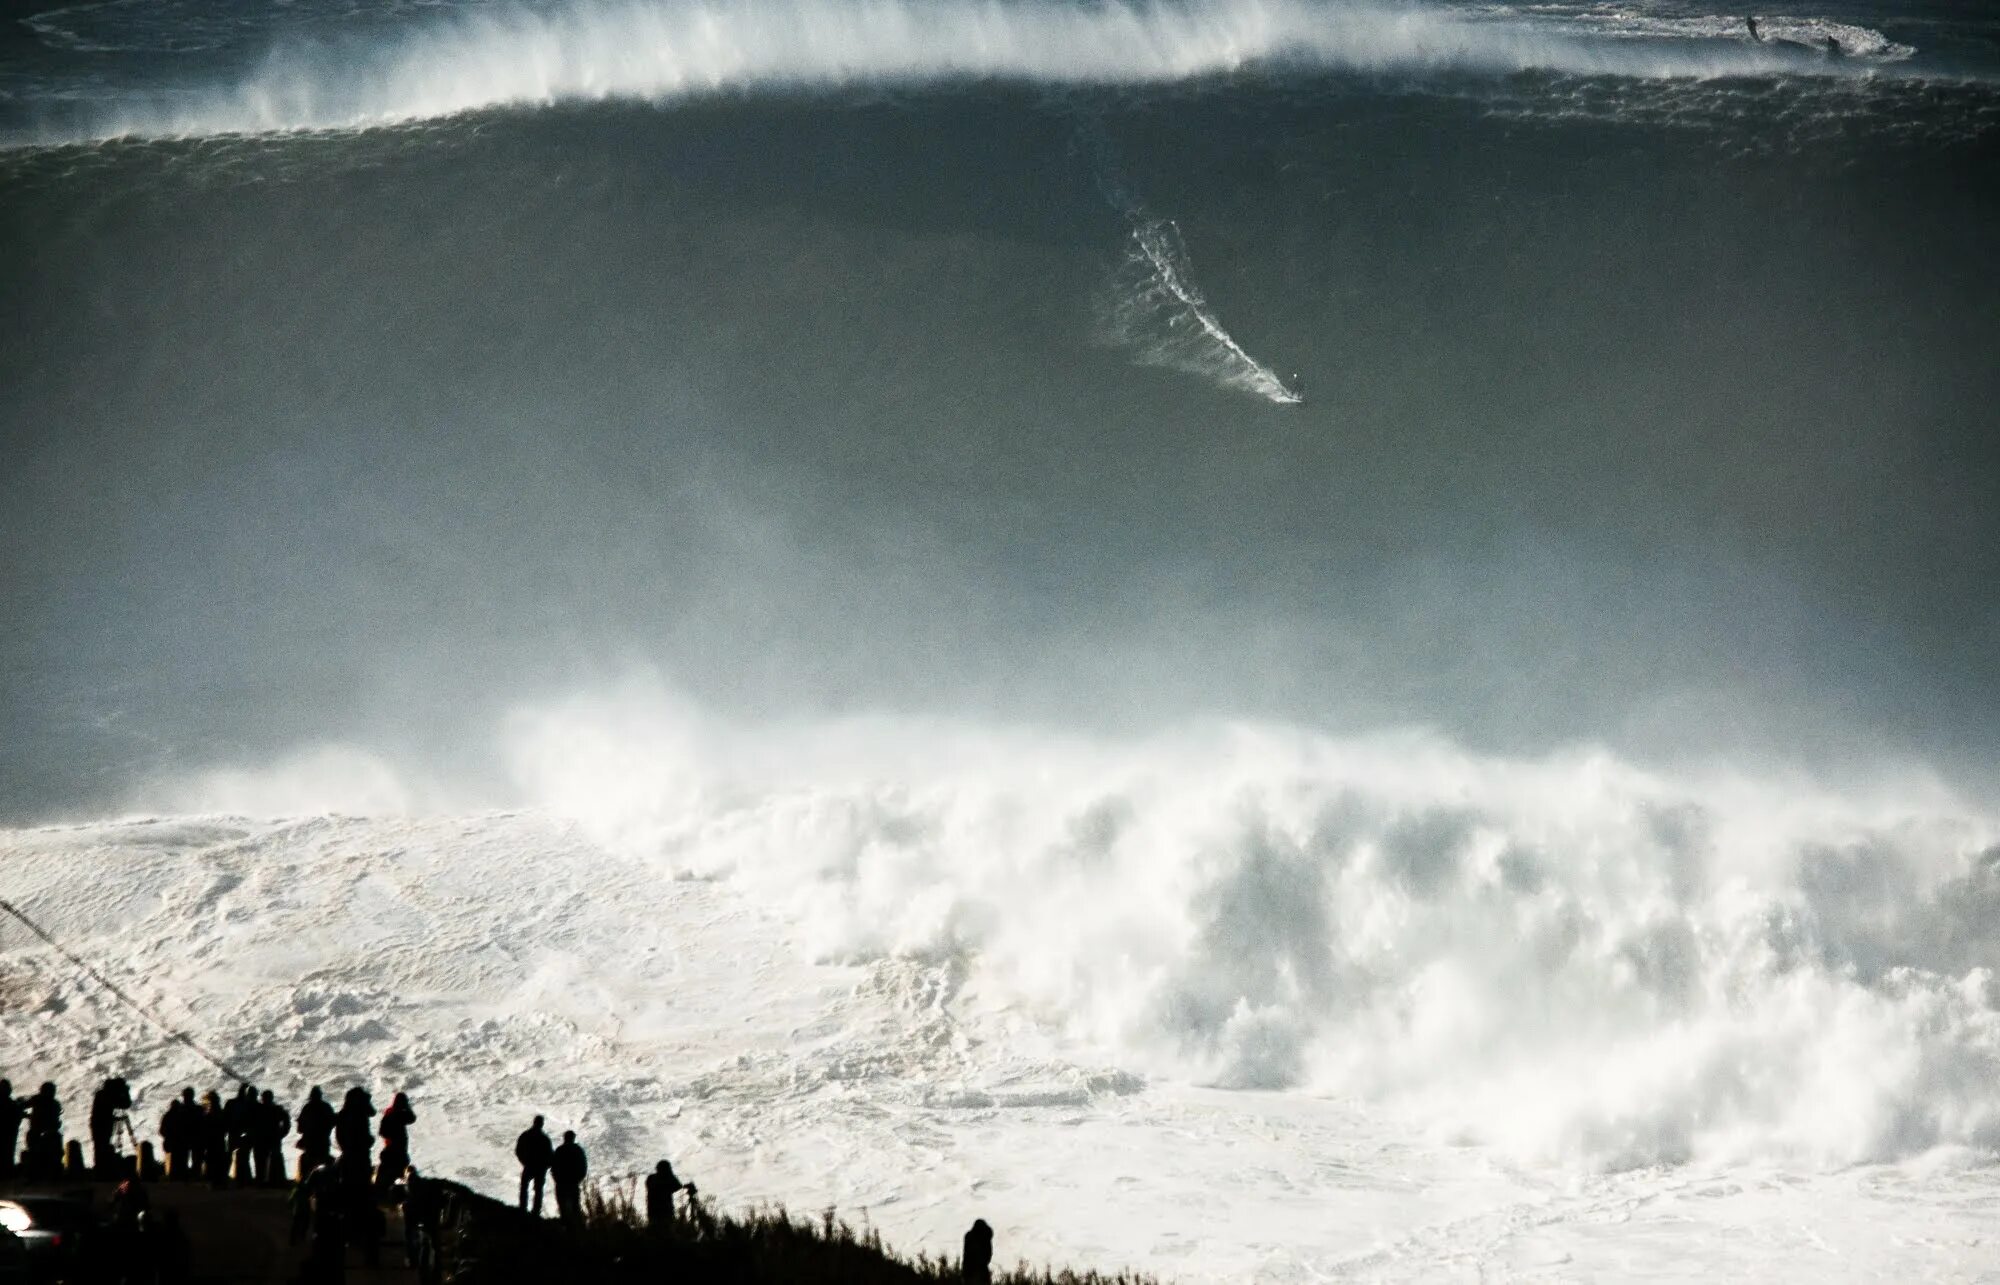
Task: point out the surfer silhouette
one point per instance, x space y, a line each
1752 24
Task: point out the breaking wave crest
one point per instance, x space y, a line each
661 51
1569 957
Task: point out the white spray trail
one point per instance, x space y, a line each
1160 313
1153 306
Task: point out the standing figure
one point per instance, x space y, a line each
214 1139
315 1142
328 1205
661 1184
395 1131
113 1098
354 1131
423 1209
977 1265
569 1166
267 1135
534 1150
180 1136
241 1117
12 1111
320 1181
43 1157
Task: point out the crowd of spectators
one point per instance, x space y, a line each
340 1190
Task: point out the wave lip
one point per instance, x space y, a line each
644 50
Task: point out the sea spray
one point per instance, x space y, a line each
660 52
1569 956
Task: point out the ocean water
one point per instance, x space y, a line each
1267 640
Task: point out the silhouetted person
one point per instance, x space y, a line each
977 1265
74 1164
322 1182
267 1138
315 1123
13 1110
533 1149
180 1136
43 1156
1833 49
326 1259
423 1209
241 1116
1754 33
396 1122
214 1140
568 1167
112 1098
661 1184
149 1167
354 1131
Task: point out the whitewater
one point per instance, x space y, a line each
1236 1002
497 56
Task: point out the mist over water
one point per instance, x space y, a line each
1584 661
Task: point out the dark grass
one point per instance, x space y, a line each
489 1243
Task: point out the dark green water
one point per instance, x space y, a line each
1670 426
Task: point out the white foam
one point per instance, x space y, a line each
1570 958
666 51
1031 946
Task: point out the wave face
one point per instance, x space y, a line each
491 56
1681 451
